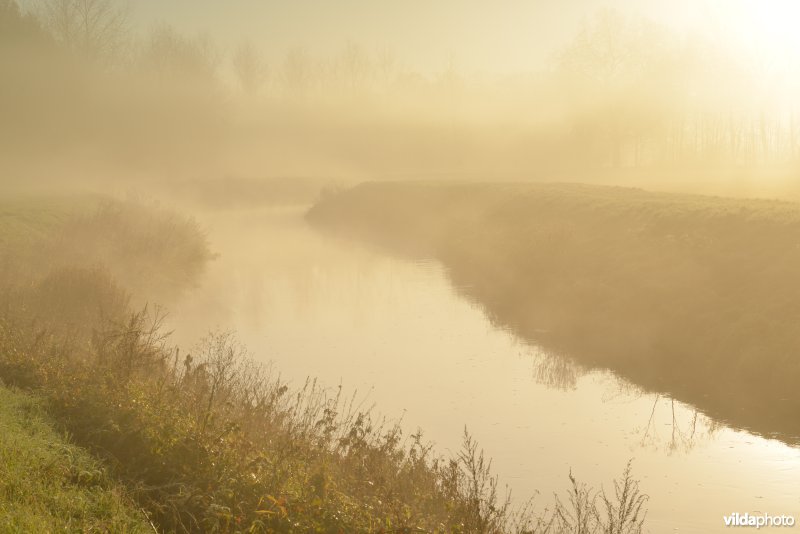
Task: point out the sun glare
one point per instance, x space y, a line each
769 28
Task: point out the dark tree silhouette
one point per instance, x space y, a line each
18 28
96 29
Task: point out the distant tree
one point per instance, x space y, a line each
386 65
249 67
297 71
601 51
618 76
355 65
96 29
18 28
449 78
170 55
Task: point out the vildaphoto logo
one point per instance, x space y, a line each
757 521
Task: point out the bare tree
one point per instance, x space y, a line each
621 77
249 67
171 55
297 71
355 65
387 65
97 29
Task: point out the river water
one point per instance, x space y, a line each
397 332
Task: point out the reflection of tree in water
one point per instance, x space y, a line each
687 427
555 371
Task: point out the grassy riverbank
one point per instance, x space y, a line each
208 441
48 484
695 296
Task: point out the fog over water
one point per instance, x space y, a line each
419 352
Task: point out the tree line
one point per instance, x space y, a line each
622 92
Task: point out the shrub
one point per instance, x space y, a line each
210 442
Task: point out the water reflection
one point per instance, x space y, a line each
685 429
328 308
555 371
671 427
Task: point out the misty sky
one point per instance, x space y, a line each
478 35
497 36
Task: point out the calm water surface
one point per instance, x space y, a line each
398 332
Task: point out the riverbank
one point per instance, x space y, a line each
687 295
47 484
209 441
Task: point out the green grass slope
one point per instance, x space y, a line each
49 485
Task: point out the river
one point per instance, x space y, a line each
397 332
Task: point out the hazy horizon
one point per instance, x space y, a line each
498 38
